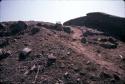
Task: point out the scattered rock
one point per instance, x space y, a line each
35 30
67 29
51 59
24 53
108 45
4 54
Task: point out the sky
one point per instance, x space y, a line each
57 10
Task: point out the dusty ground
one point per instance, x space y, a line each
77 61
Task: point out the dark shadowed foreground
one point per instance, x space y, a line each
47 53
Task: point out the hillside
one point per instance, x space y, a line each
111 25
47 53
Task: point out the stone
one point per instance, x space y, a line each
102 39
104 75
4 54
60 82
116 77
3 42
24 53
108 45
1 26
112 40
84 40
68 53
66 75
35 30
83 72
58 26
76 68
33 68
51 59
67 29
39 24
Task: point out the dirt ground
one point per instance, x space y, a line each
84 56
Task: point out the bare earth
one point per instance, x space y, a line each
76 62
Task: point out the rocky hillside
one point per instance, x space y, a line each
111 25
47 53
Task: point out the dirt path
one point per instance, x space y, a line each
93 56
77 33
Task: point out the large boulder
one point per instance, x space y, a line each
58 26
67 29
24 53
17 27
35 30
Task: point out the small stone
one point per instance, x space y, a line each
68 53
4 54
102 39
51 59
82 72
104 75
84 40
62 65
33 68
108 45
88 62
3 42
76 68
66 75
24 53
59 82
122 58
112 40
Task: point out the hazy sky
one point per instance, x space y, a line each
57 10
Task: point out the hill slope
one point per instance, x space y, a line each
111 25
47 53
